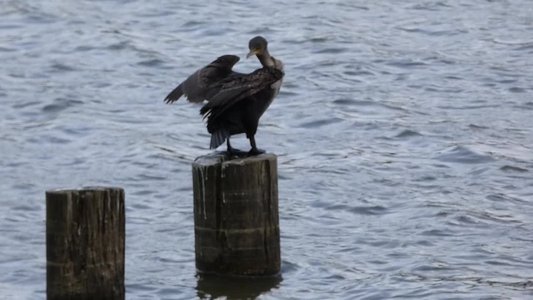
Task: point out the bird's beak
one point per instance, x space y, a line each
252 52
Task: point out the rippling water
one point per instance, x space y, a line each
403 129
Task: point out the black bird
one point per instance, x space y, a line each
236 101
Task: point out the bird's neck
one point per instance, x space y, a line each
265 59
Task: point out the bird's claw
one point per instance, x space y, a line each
236 152
255 151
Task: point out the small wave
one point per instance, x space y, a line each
461 220
193 23
408 133
508 168
406 64
368 210
5 49
59 105
320 123
359 210
488 216
517 90
61 67
528 46
84 48
461 154
151 62
465 107
431 6
344 101
349 101
438 232
528 105
358 73
506 198
332 50
26 104
477 127
432 32
119 46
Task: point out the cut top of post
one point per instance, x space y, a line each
222 157
60 191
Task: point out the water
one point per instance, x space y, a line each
404 135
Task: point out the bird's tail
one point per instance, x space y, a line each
218 138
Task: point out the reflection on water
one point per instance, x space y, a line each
213 286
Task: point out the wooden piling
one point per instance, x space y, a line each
236 215
85 243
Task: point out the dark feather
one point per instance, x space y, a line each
238 87
175 94
203 84
218 137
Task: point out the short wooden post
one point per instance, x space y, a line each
85 243
236 215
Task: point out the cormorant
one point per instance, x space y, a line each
236 101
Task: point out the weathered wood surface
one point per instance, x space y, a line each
236 215
85 243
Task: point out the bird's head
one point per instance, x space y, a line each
257 46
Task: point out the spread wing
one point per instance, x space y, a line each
203 83
237 87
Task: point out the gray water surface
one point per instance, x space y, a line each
403 130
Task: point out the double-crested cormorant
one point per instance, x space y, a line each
236 101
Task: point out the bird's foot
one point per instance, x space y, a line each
236 152
255 151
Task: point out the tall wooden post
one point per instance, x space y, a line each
236 219
85 243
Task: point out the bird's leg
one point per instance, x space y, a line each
254 150
233 151
229 146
